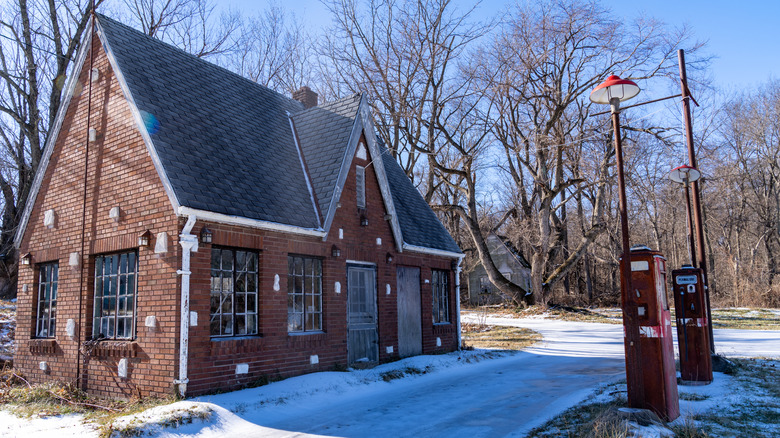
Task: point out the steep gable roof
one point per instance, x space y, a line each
224 141
230 150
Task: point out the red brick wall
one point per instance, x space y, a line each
120 173
275 352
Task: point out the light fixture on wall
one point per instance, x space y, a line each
25 259
206 235
363 221
143 239
389 258
335 251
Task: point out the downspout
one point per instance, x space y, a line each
189 243
457 299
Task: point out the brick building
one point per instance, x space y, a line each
190 230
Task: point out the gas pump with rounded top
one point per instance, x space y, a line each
648 281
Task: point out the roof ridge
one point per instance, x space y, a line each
196 58
327 105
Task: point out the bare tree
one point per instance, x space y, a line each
549 56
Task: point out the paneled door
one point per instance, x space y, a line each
409 312
362 336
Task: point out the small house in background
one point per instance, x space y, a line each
189 231
509 261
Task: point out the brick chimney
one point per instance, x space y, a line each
305 96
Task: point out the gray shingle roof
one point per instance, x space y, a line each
226 143
323 133
419 224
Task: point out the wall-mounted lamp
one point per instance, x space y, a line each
206 235
335 251
25 259
389 258
143 239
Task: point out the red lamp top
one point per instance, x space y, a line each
614 87
684 173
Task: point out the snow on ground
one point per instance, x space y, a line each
464 394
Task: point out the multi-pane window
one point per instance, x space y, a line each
360 186
46 316
233 292
304 294
114 306
441 302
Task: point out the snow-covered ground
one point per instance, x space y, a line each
468 394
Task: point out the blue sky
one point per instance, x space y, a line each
742 35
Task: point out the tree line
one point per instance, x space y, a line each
489 116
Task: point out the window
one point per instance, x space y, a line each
485 286
441 302
114 311
46 316
360 186
304 294
233 292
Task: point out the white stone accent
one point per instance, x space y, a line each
114 214
341 233
48 218
242 368
121 368
151 321
74 260
193 319
70 327
92 134
161 243
43 366
276 282
438 342
387 289
389 349
378 240
338 287
314 359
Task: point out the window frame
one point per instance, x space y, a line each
440 289
235 273
317 296
97 321
50 297
360 186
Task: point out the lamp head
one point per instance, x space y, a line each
614 90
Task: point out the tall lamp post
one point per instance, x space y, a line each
684 175
613 91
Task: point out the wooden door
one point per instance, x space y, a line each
409 312
362 336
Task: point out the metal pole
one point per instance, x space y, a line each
702 264
691 244
634 378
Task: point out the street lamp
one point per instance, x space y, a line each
613 91
683 175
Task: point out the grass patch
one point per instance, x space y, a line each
498 337
689 396
745 319
584 420
391 375
60 398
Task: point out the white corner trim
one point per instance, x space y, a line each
54 132
252 223
139 122
433 251
305 173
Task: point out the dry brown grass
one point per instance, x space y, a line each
498 337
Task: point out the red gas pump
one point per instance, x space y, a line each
648 279
693 336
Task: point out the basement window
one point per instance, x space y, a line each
46 314
360 186
441 292
233 292
304 294
115 293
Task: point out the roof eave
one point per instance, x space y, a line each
248 222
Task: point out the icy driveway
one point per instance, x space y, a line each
501 397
